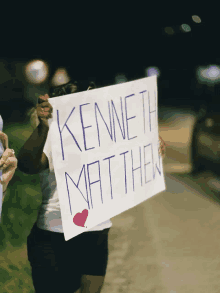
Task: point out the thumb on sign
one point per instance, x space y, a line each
162 149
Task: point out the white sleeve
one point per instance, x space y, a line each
48 151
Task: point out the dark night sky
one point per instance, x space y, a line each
98 42
102 40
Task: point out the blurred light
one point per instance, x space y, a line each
196 19
60 77
185 28
210 74
36 71
201 73
120 78
213 72
169 30
151 71
205 140
209 122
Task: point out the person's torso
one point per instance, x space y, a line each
49 215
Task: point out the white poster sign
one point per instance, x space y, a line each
105 152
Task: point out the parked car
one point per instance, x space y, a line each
205 153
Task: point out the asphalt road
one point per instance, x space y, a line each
170 243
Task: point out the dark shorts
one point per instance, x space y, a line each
57 265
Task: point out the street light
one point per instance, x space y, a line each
150 71
60 77
185 28
169 30
209 75
196 19
36 71
120 78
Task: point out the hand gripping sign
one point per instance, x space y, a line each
105 152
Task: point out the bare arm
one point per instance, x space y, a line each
3 195
31 158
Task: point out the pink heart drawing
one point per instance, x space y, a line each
80 218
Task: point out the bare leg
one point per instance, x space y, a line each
92 284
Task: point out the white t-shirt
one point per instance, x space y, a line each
49 216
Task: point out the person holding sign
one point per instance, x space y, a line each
8 165
81 262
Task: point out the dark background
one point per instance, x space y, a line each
97 42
